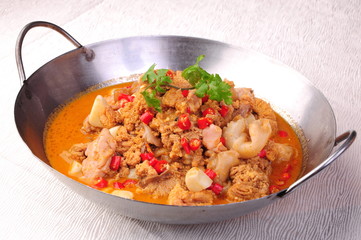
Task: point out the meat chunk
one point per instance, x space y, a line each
242 93
110 117
75 153
212 136
149 136
233 131
158 185
193 102
99 153
264 110
259 134
222 163
172 97
181 197
88 128
144 170
248 182
279 152
179 81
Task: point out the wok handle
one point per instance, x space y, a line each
19 43
348 137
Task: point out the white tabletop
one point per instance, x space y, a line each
320 39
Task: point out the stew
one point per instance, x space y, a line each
175 137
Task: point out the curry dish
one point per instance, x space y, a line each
175 137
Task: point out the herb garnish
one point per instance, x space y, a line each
204 83
155 79
207 84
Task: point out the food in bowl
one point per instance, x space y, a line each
175 137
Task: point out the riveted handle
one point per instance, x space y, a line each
19 43
348 138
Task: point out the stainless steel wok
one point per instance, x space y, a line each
73 72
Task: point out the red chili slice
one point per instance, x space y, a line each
102 183
185 145
282 133
204 122
262 153
170 74
146 117
185 93
210 111
153 161
223 111
126 97
118 185
159 166
183 121
216 188
188 110
223 141
130 182
115 163
205 98
194 144
146 156
210 173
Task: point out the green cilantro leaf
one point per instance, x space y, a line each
156 79
195 73
207 84
204 83
149 76
151 100
219 90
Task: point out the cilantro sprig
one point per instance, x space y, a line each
207 84
156 80
204 83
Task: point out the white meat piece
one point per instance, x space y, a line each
99 154
223 162
259 134
211 136
149 137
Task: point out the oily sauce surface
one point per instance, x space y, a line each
63 131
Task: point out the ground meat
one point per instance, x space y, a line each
173 97
260 163
131 112
160 185
122 172
264 110
132 155
110 118
242 109
88 128
179 81
248 182
144 170
165 123
279 152
193 102
75 153
180 196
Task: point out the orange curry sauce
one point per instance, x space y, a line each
63 131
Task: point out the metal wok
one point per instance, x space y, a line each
73 72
